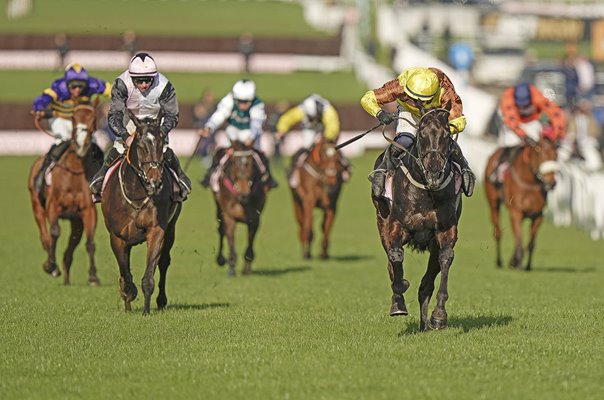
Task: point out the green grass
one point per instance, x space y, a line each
162 17
338 87
299 329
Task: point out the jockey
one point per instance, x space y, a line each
415 87
75 87
319 120
244 113
521 108
147 94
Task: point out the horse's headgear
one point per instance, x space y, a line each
422 84
142 64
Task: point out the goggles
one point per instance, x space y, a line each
142 79
76 85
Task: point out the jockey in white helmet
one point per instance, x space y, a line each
146 93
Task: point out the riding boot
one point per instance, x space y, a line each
96 184
386 167
205 181
268 177
468 179
502 163
54 153
183 180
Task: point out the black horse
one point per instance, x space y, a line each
423 213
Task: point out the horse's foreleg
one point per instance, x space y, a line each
50 265
307 233
164 263
252 229
426 287
74 239
299 211
328 217
516 220
229 225
220 260
536 223
89 219
127 288
494 205
393 240
40 218
446 241
155 243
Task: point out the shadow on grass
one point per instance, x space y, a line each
197 307
279 272
350 257
466 324
562 270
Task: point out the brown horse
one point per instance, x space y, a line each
138 207
69 197
423 214
316 179
530 176
240 197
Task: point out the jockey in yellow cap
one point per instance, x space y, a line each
416 88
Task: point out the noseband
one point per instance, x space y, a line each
233 187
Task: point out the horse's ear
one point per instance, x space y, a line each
448 105
133 118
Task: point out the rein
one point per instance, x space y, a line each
123 190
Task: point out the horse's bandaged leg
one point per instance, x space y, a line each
396 255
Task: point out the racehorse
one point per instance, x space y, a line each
423 214
527 180
315 182
138 206
68 197
240 197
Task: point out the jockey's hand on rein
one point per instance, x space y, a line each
385 117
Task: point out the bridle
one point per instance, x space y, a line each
232 185
538 172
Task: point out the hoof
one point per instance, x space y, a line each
398 306
231 272
247 269
324 256
306 256
51 269
438 323
220 260
94 281
162 302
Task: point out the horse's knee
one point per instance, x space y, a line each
148 285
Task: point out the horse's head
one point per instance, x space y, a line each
241 173
327 159
541 157
433 145
84 125
146 153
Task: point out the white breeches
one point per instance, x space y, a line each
509 138
61 128
240 135
404 126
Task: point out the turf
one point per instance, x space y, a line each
339 87
299 329
162 18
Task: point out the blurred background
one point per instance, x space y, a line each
336 48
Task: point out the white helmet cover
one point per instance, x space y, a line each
244 90
142 64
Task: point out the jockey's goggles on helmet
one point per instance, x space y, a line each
242 101
76 84
142 79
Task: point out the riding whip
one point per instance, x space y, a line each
354 139
197 145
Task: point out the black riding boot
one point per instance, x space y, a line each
468 179
96 183
389 163
504 158
205 181
269 177
183 180
54 153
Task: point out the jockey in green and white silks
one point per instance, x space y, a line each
244 115
146 93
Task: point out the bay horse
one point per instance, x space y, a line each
240 196
531 174
68 197
422 214
138 206
316 178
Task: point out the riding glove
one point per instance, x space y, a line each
385 117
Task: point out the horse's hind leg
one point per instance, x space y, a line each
426 287
220 260
494 205
155 244
516 219
164 263
307 234
74 239
392 241
50 265
252 229
229 225
128 289
89 219
535 224
446 241
328 218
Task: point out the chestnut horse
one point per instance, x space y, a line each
138 206
530 176
423 214
240 197
315 181
68 197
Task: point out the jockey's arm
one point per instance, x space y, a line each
290 118
43 101
373 100
99 87
223 110
553 112
169 108
257 118
117 109
510 114
331 124
457 121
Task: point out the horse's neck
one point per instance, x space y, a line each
521 165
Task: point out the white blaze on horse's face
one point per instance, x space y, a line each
80 138
330 152
151 138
